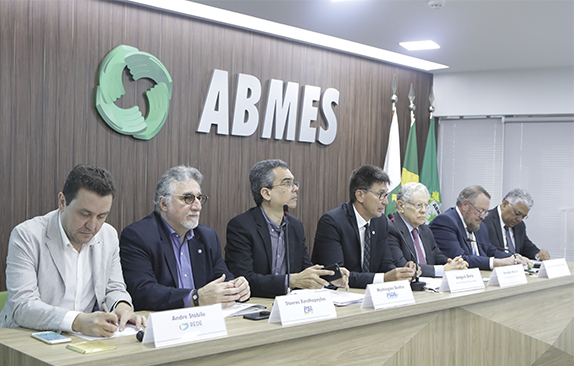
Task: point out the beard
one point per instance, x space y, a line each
190 224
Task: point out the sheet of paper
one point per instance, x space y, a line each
128 330
240 309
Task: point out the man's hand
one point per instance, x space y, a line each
310 278
456 263
415 267
399 274
510 261
343 281
243 289
220 292
542 255
97 324
125 314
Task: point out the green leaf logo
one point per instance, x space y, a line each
110 88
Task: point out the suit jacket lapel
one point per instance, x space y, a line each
497 227
467 245
54 244
166 248
263 231
353 221
198 262
405 234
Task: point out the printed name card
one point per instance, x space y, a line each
388 295
166 328
554 268
462 280
302 308
508 276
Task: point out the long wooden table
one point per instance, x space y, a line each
532 324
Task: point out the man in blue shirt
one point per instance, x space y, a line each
169 260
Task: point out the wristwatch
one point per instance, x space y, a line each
195 298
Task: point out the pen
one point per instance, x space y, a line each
107 310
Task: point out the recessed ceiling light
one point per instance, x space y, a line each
419 45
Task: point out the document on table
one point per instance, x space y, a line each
128 330
340 298
240 309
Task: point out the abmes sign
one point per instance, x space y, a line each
281 109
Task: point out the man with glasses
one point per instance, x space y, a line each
354 234
256 239
460 231
169 260
506 227
411 240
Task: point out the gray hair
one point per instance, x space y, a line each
165 186
519 195
470 194
261 176
405 194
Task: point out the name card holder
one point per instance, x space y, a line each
462 280
166 328
508 276
388 295
302 308
554 268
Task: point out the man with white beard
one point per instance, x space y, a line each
169 260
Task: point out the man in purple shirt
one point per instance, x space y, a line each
169 260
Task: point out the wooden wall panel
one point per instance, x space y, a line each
50 52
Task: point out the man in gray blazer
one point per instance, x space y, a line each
65 265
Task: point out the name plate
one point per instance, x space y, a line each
166 328
508 276
302 308
388 295
554 268
462 280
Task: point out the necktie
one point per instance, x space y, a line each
509 240
473 243
420 255
367 250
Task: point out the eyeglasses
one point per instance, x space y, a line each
480 212
289 185
419 206
518 213
189 198
382 195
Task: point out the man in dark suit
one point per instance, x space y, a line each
255 239
460 231
354 234
411 240
169 260
506 228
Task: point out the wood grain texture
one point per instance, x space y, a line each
50 53
491 327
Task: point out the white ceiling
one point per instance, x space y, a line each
474 35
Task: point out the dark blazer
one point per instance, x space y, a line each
522 244
150 268
248 252
337 241
452 239
403 248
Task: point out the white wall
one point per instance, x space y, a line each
548 91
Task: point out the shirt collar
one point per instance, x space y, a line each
409 226
188 235
502 224
361 222
461 218
272 224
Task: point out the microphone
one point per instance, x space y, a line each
286 237
416 285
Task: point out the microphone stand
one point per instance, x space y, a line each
416 285
286 242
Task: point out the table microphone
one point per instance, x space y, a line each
286 237
416 285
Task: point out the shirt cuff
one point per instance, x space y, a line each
379 278
438 271
68 321
491 263
187 300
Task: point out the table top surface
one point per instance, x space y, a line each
244 333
